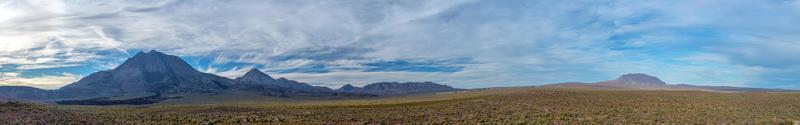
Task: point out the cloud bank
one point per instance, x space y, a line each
464 43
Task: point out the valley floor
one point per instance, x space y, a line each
491 106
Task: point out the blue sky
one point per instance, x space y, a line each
463 43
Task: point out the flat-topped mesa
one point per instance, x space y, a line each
634 81
255 76
639 79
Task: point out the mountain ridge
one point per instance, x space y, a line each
255 76
397 88
640 81
154 76
25 93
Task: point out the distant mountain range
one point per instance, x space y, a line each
27 93
395 88
647 82
256 77
154 76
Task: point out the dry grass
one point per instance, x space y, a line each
499 106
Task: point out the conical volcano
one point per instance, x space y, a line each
147 74
156 62
255 77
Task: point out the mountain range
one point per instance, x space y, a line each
153 76
638 81
395 88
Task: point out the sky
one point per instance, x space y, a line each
463 43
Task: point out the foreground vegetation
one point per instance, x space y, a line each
496 106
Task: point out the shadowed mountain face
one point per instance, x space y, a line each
147 74
395 88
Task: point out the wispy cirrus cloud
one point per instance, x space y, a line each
45 82
502 42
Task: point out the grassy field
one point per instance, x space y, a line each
494 106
